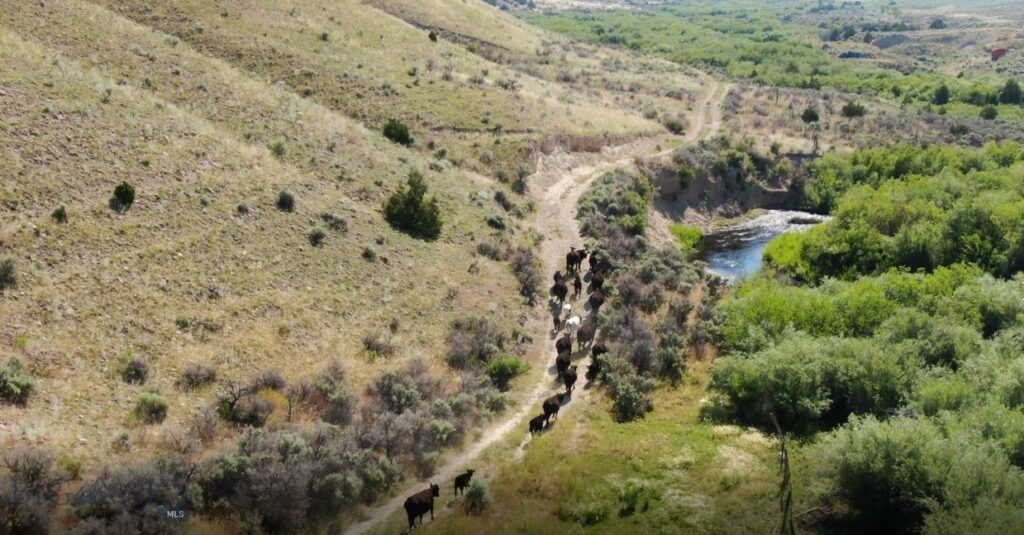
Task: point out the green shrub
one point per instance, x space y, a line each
60 215
124 197
989 113
285 201
689 237
432 36
397 132
504 368
941 95
410 210
151 408
15 385
1011 93
478 497
317 236
72 466
8 272
277 149
675 126
852 109
369 254
496 222
810 115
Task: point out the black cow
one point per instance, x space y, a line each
537 423
559 277
599 348
597 280
585 334
577 286
418 504
462 481
593 370
570 378
574 259
559 291
556 321
551 406
564 343
596 300
562 361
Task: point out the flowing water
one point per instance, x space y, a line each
735 252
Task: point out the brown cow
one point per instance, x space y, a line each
586 332
597 280
574 259
570 378
552 405
577 286
600 348
593 370
418 504
596 300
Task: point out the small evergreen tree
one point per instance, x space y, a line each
124 197
810 115
410 210
397 132
1011 93
941 95
989 112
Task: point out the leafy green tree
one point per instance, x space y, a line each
810 115
410 210
1011 93
941 95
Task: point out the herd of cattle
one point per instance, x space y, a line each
583 330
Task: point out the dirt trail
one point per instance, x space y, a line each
557 185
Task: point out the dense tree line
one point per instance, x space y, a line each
911 207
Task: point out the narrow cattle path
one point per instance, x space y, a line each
557 185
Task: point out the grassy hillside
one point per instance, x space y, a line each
210 111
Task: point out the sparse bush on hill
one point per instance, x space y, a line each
267 380
29 492
197 376
397 132
410 210
123 198
135 370
286 201
379 344
989 112
239 404
277 149
527 271
810 115
151 408
478 497
334 222
317 236
8 272
15 385
473 340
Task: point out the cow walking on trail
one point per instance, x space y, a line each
556 322
418 504
593 370
599 348
552 405
596 301
564 344
574 259
597 280
537 423
577 286
559 291
462 481
570 378
585 334
562 362
558 277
